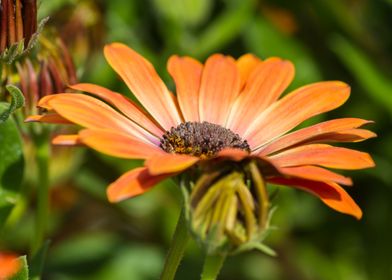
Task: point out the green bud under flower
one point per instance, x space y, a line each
18 27
228 207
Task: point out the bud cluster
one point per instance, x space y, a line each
18 27
50 72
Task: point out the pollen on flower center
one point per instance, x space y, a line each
201 139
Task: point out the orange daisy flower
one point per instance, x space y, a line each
225 109
9 265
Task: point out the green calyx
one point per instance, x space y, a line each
228 208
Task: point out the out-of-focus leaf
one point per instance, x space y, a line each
134 262
264 40
11 166
38 261
185 12
17 101
82 250
377 86
23 273
223 29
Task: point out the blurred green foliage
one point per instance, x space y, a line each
348 40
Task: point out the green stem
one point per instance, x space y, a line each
42 146
176 251
212 266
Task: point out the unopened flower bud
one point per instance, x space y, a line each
18 27
50 72
229 207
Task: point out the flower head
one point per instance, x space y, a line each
226 110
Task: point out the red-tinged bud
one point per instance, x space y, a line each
18 27
50 72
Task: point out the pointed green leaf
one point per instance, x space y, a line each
11 166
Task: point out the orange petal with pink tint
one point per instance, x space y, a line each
9 265
321 130
169 163
117 144
66 140
220 85
264 86
48 118
92 113
186 73
293 109
132 183
246 64
142 79
44 101
315 173
323 155
349 135
331 194
233 154
124 104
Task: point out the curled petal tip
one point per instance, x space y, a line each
33 118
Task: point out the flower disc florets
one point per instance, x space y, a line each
201 139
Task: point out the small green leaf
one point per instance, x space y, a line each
265 249
11 166
17 101
23 273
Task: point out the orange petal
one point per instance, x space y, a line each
9 265
92 113
66 140
315 173
186 73
169 163
220 85
331 194
117 144
293 109
44 101
124 104
349 135
132 183
264 86
304 134
324 155
142 79
233 154
246 64
48 118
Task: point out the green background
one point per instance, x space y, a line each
347 40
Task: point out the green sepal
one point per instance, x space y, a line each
23 273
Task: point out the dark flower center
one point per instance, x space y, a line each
201 139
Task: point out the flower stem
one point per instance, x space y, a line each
212 266
42 146
176 251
